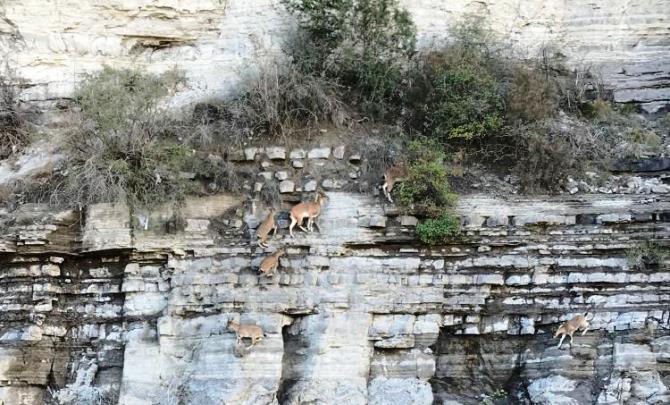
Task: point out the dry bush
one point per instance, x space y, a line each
546 152
640 142
531 95
121 148
13 131
278 101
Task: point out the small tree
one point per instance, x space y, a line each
365 44
426 190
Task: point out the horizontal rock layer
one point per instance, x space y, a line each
101 308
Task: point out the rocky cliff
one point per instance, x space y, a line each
51 44
108 303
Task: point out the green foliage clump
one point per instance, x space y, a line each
598 110
465 102
499 396
426 190
364 44
456 92
648 254
439 230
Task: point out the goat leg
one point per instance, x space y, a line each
561 342
290 228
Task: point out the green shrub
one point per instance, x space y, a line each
465 103
439 230
597 110
112 99
648 254
456 93
641 142
426 190
498 396
364 44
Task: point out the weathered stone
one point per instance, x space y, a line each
286 186
400 391
332 184
378 221
297 154
250 153
310 186
275 152
408 220
338 152
319 153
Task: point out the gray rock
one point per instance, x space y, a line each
552 390
250 153
338 152
319 153
378 221
297 154
310 186
332 184
408 220
286 186
275 152
399 391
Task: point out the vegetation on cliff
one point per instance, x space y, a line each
13 131
465 101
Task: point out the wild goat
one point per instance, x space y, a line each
253 332
570 327
269 264
392 175
309 210
264 229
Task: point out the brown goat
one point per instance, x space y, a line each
392 175
309 210
253 332
570 327
269 264
264 229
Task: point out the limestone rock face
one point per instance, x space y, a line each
51 45
109 305
355 315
